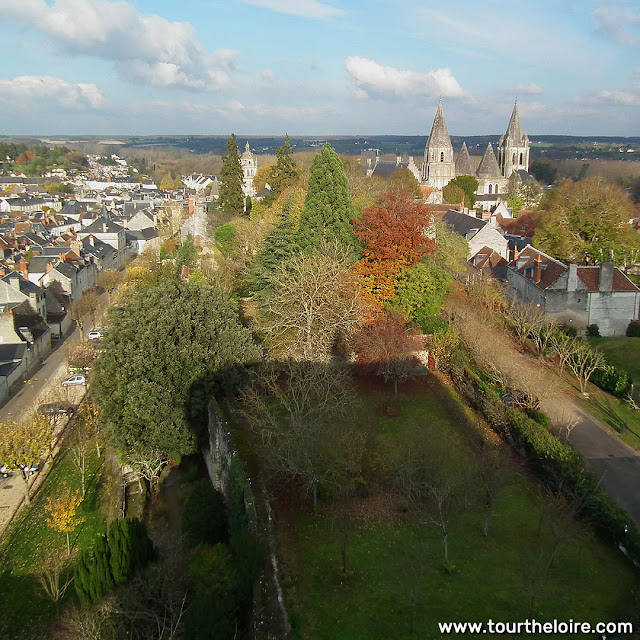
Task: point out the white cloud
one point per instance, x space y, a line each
380 81
618 25
303 8
268 76
25 89
530 89
621 97
145 48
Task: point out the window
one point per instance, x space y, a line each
513 159
521 158
490 188
442 156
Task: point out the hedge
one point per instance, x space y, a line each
558 465
611 379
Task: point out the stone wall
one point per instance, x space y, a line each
270 619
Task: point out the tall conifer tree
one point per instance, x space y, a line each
285 170
328 210
231 195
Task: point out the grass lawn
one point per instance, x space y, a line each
26 611
623 353
394 558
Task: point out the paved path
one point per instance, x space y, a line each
615 464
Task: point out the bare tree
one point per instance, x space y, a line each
85 306
584 361
526 319
442 344
54 576
109 280
147 465
310 302
80 355
492 473
563 347
302 418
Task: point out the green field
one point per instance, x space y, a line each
395 559
26 611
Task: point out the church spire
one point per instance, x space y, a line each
514 130
463 162
439 136
488 167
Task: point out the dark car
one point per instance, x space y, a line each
520 400
56 408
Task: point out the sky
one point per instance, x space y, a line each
316 67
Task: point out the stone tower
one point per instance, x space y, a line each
249 166
513 149
463 162
439 165
490 178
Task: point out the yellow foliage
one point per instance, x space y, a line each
63 518
22 443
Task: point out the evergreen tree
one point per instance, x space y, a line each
278 247
231 195
285 170
93 578
328 210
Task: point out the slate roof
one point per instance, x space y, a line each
439 136
102 225
22 284
39 263
514 129
591 278
488 167
385 168
463 162
463 224
12 352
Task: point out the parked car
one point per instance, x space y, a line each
7 470
520 400
73 381
97 333
56 408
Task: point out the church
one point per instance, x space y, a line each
494 174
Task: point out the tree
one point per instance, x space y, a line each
22 444
586 221
392 236
309 303
303 419
53 575
63 516
453 194
80 355
389 347
441 344
420 292
451 251
285 170
87 305
167 349
328 210
231 180
186 253
543 170
204 516
584 361
403 180
109 280
469 185
530 192
278 247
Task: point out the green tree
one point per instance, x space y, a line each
224 235
452 194
231 178
167 349
186 253
586 221
469 184
328 210
279 246
420 292
204 516
404 180
285 170
452 250
543 170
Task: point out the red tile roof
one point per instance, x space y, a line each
591 278
551 269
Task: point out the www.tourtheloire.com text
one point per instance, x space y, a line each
535 627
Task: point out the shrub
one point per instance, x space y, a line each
204 516
593 331
539 416
224 235
611 379
572 332
633 330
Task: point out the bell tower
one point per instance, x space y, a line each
439 165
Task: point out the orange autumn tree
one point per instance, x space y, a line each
392 235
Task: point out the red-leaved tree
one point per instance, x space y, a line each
392 234
388 347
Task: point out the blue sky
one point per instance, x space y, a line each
315 67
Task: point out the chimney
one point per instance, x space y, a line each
3 271
537 269
605 282
572 283
23 267
516 253
190 205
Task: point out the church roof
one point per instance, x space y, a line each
439 136
514 130
247 152
488 165
463 162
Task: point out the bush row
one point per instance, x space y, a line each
557 464
112 560
609 378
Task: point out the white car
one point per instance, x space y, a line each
97 333
73 381
6 471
